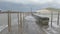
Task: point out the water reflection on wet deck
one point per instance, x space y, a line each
30 27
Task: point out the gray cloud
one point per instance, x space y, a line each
33 1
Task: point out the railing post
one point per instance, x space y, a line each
58 19
51 17
21 23
18 22
9 21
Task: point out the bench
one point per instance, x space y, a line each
41 20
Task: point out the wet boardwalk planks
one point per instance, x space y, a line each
30 27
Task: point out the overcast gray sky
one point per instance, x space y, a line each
27 4
33 1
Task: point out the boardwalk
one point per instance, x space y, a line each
30 27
